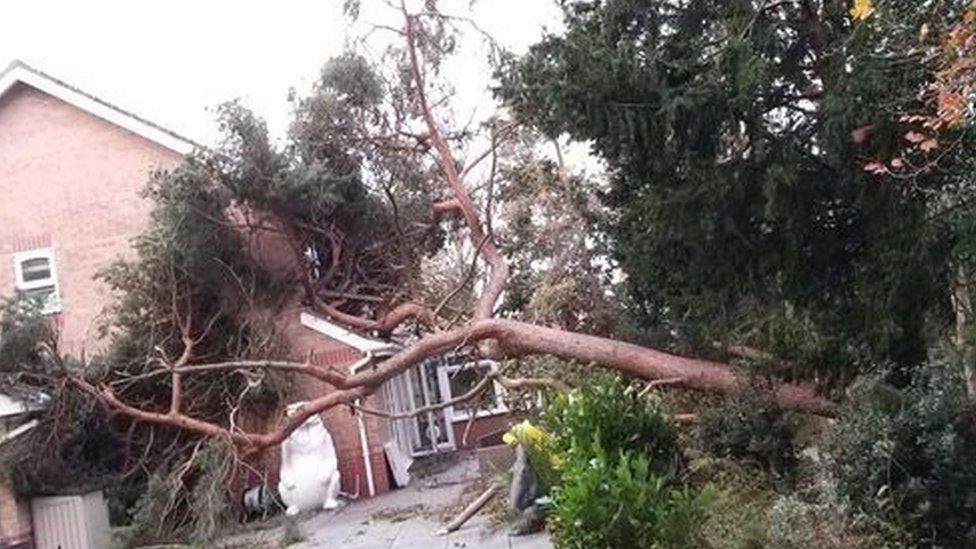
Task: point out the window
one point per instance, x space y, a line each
460 378
35 278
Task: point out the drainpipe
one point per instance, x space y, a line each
364 444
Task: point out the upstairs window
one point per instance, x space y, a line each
35 278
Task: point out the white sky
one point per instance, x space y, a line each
170 61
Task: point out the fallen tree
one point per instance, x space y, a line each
355 259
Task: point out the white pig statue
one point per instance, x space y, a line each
309 476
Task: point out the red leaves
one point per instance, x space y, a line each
862 133
915 137
875 167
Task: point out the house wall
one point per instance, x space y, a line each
15 518
68 181
72 182
480 427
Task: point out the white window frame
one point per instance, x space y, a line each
461 412
54 303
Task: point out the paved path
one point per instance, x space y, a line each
406 518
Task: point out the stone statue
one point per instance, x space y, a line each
309 476
522 496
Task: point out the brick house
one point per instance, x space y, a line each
71 170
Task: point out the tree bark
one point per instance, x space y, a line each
963 304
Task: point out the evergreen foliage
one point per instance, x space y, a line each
748 426
905 458
741 209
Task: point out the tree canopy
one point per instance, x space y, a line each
744 140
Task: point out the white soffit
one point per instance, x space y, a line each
363 344
19 72
10 406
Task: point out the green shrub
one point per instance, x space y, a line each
907 458
750 426
737 516
817 518
611 415
615 454
623 502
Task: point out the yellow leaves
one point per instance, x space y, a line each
532 438
969 16
951 106
525 431
923 33
862 9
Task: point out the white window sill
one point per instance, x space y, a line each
457 417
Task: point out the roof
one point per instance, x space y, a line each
12 406
20 72
370 347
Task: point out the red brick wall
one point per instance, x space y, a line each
70 181
15 517
340 421
480 427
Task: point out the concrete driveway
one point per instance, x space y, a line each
406 518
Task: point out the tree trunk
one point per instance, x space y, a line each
963 305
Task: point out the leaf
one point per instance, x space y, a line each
862 9
915 137
913 118
862 133
875 167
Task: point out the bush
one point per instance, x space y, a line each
612 416
624 502
907 458
615 455
795 523
737 516
190 493
750 426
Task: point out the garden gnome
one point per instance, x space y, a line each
309 467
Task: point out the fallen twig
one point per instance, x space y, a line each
470 510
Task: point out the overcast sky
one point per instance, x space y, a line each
170 61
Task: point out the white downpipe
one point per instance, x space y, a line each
364 444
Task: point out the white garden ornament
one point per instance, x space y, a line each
309 476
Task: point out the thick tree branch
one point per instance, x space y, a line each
499 268
515 339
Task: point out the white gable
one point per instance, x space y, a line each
19 72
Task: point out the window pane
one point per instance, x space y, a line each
38 268
465 379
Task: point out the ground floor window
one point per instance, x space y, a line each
460 377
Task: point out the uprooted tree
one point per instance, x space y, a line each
767 226
372 185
